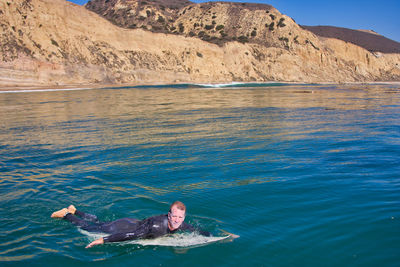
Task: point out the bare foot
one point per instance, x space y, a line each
60 213
71 209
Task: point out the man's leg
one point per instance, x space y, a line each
85 225
83 215
68 214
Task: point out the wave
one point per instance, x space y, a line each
207 85
220 85
175 240
244 85
163 86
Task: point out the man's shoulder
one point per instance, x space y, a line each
158 224
158 218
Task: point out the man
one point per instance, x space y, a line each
128 228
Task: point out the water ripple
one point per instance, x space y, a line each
305 179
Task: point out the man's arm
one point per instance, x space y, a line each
115 238
99 241
141 232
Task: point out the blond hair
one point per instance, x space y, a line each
179 205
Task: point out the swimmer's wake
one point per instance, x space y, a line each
175 240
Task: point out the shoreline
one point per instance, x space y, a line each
74 87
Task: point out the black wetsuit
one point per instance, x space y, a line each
128 228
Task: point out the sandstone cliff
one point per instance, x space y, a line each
57 42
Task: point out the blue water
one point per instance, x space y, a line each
307 175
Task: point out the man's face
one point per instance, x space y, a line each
175 218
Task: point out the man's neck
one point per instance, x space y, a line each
170 228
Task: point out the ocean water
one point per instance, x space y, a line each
306 174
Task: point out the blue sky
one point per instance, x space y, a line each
381 16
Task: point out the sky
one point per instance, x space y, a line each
382 16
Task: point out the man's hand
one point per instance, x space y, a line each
99 241
233 236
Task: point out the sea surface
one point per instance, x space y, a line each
305 174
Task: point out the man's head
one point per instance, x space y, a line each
176 215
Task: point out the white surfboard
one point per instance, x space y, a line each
180 240
176 240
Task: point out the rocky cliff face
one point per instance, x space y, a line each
215 22
57 42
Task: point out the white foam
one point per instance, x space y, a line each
218 85
175 240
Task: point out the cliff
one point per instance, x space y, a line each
57 42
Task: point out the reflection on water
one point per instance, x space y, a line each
124 117
286 167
